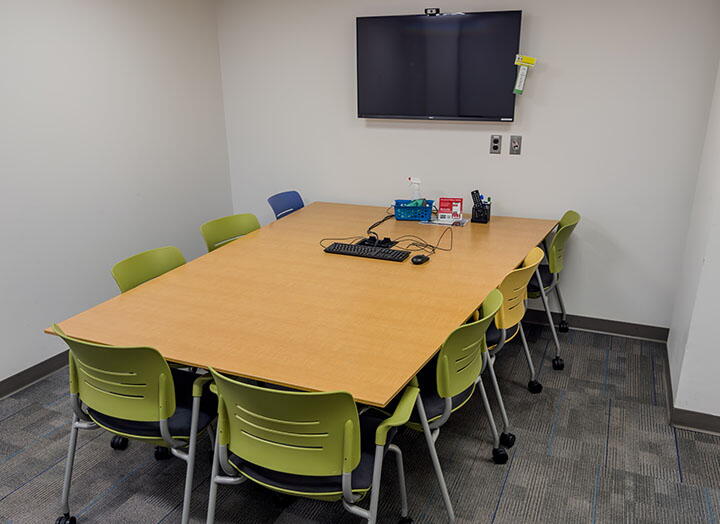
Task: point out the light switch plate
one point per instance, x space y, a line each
495 144
515 145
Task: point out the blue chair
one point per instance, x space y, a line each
285 203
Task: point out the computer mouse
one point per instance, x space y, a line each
420 259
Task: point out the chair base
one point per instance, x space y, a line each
119 443
534 387
563 326
499 456
66 519
558 364
162 453
507 439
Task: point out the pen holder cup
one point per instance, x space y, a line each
481 213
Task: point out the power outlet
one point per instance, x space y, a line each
515 145
495 144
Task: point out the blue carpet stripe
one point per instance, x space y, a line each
677 452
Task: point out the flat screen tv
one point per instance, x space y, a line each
458 66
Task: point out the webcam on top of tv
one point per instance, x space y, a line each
432 11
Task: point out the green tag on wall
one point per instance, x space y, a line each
524 62
520 82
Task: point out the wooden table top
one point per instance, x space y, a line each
273 306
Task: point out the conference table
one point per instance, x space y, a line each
273 306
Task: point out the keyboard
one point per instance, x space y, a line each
355 250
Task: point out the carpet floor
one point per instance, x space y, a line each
594 446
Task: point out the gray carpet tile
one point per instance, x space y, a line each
641 441
630 497
540 488
699 458
594 446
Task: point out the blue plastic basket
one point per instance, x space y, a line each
419 213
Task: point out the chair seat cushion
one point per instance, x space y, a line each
179 423
432 402
493 334
362 476
545 276
435 405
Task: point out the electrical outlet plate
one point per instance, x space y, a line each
515 145
495 144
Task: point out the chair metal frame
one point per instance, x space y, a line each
230 476
82 421
555 255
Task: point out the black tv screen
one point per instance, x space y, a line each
457 66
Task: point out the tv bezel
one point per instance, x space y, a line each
497 119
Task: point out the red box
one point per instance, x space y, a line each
450 209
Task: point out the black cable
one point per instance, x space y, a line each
416 243
376 224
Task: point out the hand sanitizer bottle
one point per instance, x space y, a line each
415 187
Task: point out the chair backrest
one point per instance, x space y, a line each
129 383
220 231
514 289
292 432
556 251
285 203
460 357
145 266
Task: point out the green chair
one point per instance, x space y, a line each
312 445
145 266
133 394
220 231
547 278
449 380
507 324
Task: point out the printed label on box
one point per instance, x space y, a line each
450 209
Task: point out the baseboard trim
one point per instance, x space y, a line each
32 374
683 418
615 327
695 421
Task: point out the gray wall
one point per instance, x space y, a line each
613 121
112 141
693 345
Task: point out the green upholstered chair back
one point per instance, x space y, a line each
292 432
145 266
129 383
220 231
514 290
556 251
460 357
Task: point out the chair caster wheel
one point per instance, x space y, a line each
162 453
65 519
500 456
534 387
119 443
507 439
563 326
406 520
558 364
